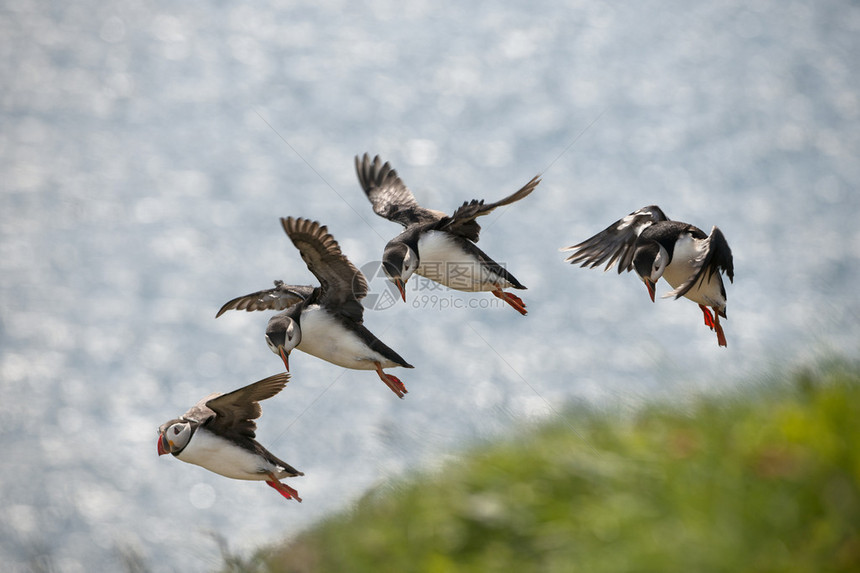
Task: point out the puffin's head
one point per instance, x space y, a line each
650 261
399 261
174 436
283 334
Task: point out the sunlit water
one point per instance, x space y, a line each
146 151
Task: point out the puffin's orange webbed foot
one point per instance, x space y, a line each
283 489
709 319
512 299
392 382
721 337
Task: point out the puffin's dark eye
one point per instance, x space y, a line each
175 430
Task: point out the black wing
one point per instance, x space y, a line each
616 241
463 222
281 297
342 285
389 195
236 411
715 256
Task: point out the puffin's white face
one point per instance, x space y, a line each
410 264
176 437
399 261
659 266
292 336
282 335
650 261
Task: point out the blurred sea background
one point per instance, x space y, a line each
147 150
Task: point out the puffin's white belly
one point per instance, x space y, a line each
682 268
325 337
445 262
223 457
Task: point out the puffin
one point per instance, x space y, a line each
648 242
325 321
435 245
217 433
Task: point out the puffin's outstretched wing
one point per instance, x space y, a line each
342 284
281 297
615 243
389 195
463 222
236 411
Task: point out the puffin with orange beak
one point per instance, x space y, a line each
655 247
218 434
324 321
434 245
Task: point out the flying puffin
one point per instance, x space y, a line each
690 261
434 245
218 434
324 321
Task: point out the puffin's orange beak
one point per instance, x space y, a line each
285 356
163 446
401 286
651 286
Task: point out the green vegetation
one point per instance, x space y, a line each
763 480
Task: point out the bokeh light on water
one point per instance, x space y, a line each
148 150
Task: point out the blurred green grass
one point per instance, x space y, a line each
765 479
